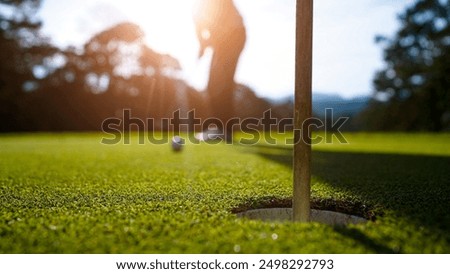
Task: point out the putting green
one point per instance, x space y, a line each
67 193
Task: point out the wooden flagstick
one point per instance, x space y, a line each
303 111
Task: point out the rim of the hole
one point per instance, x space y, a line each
353 208
325 217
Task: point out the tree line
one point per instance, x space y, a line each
413 90
45 88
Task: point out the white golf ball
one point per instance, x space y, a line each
177 143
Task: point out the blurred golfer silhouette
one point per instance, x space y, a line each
219 26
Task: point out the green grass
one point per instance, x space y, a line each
67 193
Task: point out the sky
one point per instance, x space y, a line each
345 54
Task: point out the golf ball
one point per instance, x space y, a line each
177 143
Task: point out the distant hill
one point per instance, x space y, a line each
341 106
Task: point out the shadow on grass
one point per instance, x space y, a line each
413 186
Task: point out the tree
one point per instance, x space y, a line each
23 52
415 82
114 70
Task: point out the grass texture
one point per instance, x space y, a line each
68 193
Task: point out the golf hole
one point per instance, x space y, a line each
285 215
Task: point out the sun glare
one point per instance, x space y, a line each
169 28
168 24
